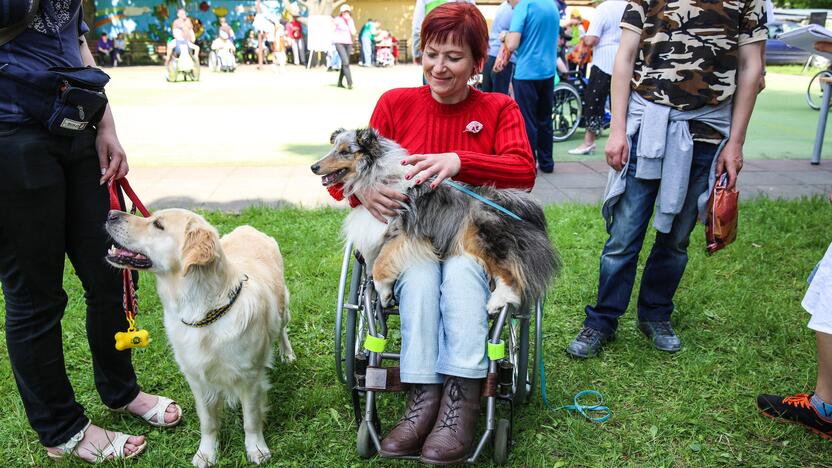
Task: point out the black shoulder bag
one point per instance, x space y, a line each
65 100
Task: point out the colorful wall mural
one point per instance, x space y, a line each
151 19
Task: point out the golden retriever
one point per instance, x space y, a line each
225 303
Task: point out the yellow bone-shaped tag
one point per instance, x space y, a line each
132 339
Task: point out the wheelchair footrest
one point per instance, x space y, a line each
384 379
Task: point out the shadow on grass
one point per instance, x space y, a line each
232 206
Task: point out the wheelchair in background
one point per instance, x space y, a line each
567 112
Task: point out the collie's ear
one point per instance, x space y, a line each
367 139
201 246
335 134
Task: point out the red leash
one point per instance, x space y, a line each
132 337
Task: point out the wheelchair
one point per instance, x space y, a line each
185 66
222 62
512 369
567 112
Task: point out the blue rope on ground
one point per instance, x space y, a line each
583 410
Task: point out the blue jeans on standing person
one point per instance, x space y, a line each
366 51
496 82
444 322
536 98
668 258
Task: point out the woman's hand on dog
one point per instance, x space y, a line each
425 166
111 157
381 201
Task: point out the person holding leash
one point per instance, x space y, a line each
54 202
450 130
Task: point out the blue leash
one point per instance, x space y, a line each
577 407
479 197
583 410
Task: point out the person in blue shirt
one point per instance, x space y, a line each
105 48
53 205
491 81
533 35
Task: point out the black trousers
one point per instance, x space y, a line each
597 91
496 82
52 206
344 51
536 98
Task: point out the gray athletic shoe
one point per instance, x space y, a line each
662 335
588 343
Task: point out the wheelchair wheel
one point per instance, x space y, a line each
502 442
346 333
814 92
566 113
519 357
171 74
352 337
524 354
364 443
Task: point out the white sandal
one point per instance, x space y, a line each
583 150
158 411
114 448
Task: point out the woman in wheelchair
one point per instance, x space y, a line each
450 130
175 58
224 49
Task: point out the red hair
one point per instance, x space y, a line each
462 23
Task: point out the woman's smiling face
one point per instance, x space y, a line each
447 67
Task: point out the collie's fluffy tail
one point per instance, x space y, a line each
525 243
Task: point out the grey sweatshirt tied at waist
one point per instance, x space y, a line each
665 152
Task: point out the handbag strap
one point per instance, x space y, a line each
10 32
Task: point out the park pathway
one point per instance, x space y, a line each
232 188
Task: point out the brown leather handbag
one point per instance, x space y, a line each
721 221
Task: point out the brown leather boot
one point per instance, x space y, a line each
407 436
452 438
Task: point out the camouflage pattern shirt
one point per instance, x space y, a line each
688 54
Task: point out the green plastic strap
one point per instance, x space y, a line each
375 344
496 351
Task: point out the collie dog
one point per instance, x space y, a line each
439 223
225 302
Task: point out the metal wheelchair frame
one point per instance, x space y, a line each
514 378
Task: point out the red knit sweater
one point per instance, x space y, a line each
498 155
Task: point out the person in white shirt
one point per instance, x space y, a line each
603 36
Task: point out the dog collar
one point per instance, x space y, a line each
217 313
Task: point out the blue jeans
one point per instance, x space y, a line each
536 98
444 321
668 258
366 51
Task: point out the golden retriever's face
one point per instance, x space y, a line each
169 241
351 152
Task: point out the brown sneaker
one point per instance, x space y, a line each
407 436
452 438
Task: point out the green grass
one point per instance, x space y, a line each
737 312
792 70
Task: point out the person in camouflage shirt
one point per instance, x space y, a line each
687 74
